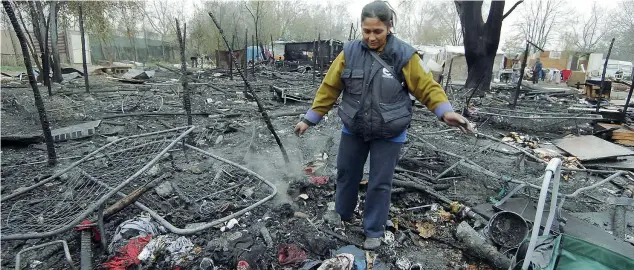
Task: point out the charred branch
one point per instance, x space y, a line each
263 112
511 10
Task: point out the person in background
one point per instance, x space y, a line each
537 71
376 111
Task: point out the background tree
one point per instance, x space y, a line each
428 22
622 22
587 32
448 23
21 9
40 29
538 19
100 17
159 15
56 65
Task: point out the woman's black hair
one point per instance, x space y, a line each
380 10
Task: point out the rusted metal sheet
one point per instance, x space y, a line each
591 148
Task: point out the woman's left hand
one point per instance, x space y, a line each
456 120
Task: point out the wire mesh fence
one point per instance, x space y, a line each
536 121
60 201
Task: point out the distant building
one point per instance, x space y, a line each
459 67
427 53
303 52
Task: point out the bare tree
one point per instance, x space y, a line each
39 103
588 31
40 27
624 28
83 46
538 19
30 44
446 16
128 25
158 14
52 20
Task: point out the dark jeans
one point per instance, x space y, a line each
353 152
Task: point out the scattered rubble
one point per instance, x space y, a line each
208 213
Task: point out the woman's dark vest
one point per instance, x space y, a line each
375 103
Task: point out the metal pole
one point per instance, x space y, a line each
329 51
449 74
519 83
629 96
320 62
272 51
314 60
350 34
253 55
233 39
246 60
605 66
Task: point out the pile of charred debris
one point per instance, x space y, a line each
135 185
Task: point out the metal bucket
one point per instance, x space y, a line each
507 229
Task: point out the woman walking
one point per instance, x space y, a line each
376 76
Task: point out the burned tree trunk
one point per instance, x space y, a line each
56 65
39 103
481 40
181 43
83 47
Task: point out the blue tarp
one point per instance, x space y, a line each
251 54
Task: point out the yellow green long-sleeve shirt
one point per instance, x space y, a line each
418 78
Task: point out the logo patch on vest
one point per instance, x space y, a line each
387 74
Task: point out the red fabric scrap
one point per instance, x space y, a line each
127 255
242 265
87 225
291 255
566 74
319 180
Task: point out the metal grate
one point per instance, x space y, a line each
62 200
206 190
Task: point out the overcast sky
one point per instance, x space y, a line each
355 7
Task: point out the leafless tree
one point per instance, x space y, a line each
445 14
538 19
159 15
52 20
623 23
19 9
588 31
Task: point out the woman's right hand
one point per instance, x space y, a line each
300 128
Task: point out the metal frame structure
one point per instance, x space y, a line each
204 226
90 207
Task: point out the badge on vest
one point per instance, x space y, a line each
387 74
